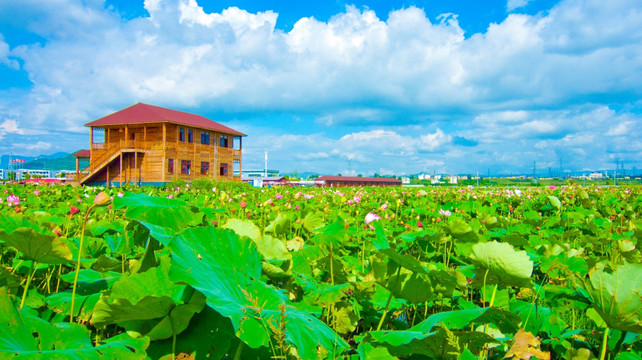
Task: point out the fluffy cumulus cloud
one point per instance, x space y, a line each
529 88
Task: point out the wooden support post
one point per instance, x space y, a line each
78 170
91 137
164 157
107 178
120 176
136 167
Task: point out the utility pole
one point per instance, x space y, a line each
535 171
615 172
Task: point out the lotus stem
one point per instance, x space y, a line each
82 238
605 344
29 277
385 310
239 350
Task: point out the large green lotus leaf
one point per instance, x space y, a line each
331 234
169 213
505 265
226 268
90 285
321 293
280 225
554 201
34 246
244 228
419 287
98 228
209 335
9 280
461 230
25 336
505 321
436 345
148 303
313 221
12 223
273 249
617 297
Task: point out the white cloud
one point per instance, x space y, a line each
313 156
39 146
516 4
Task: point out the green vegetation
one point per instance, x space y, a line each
223 270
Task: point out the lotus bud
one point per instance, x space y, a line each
102 199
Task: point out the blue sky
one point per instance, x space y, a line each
388 87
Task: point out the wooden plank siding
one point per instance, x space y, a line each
146 149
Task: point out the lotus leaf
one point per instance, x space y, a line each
504 265
34 246
25 336
226 268
617 297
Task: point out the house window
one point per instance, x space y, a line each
181 134
205 138
223 170
186 167
205 168
224 141
190 135
170 166
236 142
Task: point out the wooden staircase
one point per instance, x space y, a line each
99 164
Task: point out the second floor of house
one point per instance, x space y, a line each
158 136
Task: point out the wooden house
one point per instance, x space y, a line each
150 145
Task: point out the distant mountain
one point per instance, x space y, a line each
54 162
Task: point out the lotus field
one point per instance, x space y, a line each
225 271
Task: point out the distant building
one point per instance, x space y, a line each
423 177
452 179
405 180
334 181
596 175
22 174
259 173
1 174
265 181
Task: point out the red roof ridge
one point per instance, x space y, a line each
141 113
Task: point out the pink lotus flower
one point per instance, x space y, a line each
278 196
13 200
297 207
170 196
371 217
419 224
384 206
445 212
357 199
243 204
36 192
74 210
120 194
308 196
350 202
553 187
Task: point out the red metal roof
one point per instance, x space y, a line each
82 153
357 179
143 113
